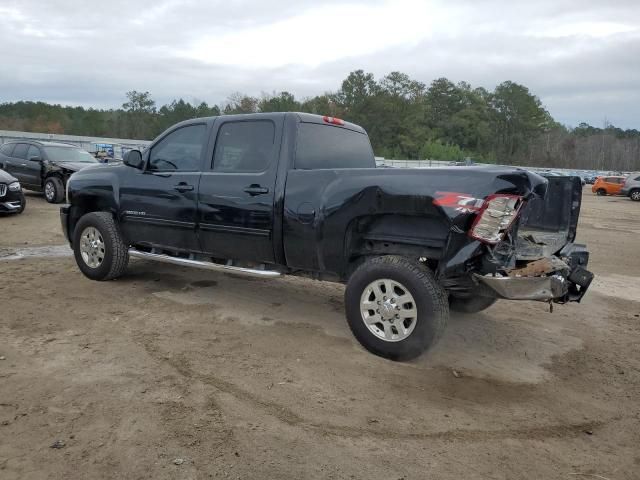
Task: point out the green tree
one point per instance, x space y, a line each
140 111
519 118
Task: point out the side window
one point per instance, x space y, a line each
637 179
324 146
244 146
179 151
20 151
33 152
7 148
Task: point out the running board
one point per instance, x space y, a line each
186 262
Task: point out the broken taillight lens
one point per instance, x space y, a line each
495 217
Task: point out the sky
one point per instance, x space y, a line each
580 57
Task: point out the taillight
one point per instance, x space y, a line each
333 120
495 217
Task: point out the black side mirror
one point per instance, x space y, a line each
35 159
133 158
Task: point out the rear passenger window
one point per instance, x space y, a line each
324 146
244 146
7 148
20 151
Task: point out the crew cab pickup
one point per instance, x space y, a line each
300 194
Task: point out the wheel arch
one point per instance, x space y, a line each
390 234
88 204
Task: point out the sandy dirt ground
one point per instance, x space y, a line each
177 373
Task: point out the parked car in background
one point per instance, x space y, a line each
608 185
44 166
631 187
11 197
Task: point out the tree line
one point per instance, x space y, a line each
405 119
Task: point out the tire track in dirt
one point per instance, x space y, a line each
285 415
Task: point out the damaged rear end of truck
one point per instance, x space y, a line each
518 245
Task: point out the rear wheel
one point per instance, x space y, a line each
53 190
470 304
395 308
635 195
601 191
99 250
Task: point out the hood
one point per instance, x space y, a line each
6 178
73 166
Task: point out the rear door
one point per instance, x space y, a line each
236 195
16 163
158 204
616 185
5 154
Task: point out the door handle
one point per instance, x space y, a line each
183 187
255 189
23 164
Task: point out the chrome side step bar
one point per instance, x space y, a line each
186 262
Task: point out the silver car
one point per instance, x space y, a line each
631 187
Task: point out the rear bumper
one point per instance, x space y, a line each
560 279
625 191
64 220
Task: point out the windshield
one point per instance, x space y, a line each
66 154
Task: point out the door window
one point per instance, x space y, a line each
179 151
20 151
33 152
244 146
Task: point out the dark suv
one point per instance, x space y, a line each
44 166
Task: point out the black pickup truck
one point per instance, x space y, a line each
300 194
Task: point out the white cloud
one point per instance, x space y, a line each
321 34
579 56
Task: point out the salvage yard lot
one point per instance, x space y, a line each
177 373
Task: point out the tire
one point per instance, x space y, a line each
23 203
111 254
601 192
470 304
635 195
53 190
424 316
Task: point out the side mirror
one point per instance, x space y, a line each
133 158
35 159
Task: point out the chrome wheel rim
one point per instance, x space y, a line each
92 248
49 190
635 196
388 310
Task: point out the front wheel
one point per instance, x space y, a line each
99 250
53 190
470 304
601 192
395 308
23 203
635 195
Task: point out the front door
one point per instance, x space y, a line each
32 169
236 197
158 204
